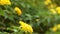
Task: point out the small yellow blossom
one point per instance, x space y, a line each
58 10
5 2
54 29
18 11
25 27
47 2
53 11
58 25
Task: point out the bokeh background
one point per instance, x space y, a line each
42 15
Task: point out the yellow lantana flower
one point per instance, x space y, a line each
5 2
54 29
18 11
58 25
58 10
53 11
25 27
47 2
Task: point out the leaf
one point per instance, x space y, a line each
1 12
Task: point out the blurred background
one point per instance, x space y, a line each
41 16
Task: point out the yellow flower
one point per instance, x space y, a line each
58 25
25 27
53 11
54 29
18 11
58 10
5 2
47 2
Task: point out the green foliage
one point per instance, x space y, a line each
31 10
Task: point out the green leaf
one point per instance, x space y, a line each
1 12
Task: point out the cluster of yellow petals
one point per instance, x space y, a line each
5 2
55 28
52 7
25 27
47 2
53 11
58 10
58 25
18 11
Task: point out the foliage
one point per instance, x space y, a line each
42 17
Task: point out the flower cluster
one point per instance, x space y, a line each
5 2
47 2
55 28
58 10
18 11
52 7
25 27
